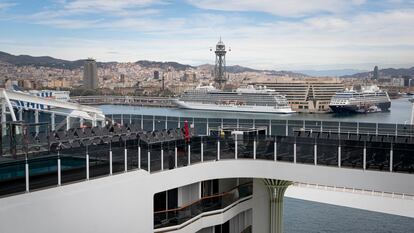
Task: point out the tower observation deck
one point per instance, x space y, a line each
220 66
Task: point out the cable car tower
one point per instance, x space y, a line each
220 66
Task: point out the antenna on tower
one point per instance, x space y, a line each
220 66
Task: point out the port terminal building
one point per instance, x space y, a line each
311 95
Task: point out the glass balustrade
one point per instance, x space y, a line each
90 156
207 204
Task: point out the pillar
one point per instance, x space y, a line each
276 190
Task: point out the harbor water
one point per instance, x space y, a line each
305 216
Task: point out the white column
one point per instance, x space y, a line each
237 122
218 150
110 162
153 123
67 122
294 153
176 157
162 159
339 156
254 123
53 121
254 149
315 154
142 121
276 190
139 157
179 122
59 172
122 119
26 172
126 159
188 154
87 166
202 152
365 158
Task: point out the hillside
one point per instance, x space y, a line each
46 61
389 72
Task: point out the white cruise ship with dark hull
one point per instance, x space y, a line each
369 99
247 99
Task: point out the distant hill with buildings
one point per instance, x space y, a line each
389 72
46 61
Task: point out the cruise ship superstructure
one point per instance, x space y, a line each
245 99
369 99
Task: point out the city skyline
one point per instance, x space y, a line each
263 34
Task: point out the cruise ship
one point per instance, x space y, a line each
369 99
245 99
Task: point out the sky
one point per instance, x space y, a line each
262 34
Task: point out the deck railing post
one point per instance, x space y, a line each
126 159
149 161
139 157
391 158
365 157
87 165
339 156
254 148
287 128
162 159
235 146
153 123
188 154
59 172
294 152
176 156
218 150
275 152
26 172
202 152
110 162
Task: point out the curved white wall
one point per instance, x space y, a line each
123 203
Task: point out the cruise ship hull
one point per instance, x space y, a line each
352 108
231 108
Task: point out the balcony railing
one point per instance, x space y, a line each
92 153
206 205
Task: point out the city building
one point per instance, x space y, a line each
306 95
90 74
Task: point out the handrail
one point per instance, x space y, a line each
203 198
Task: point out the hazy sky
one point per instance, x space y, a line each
271 34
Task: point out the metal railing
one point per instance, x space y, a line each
95 156
206 205
275 127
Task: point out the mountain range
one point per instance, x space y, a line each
46 61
